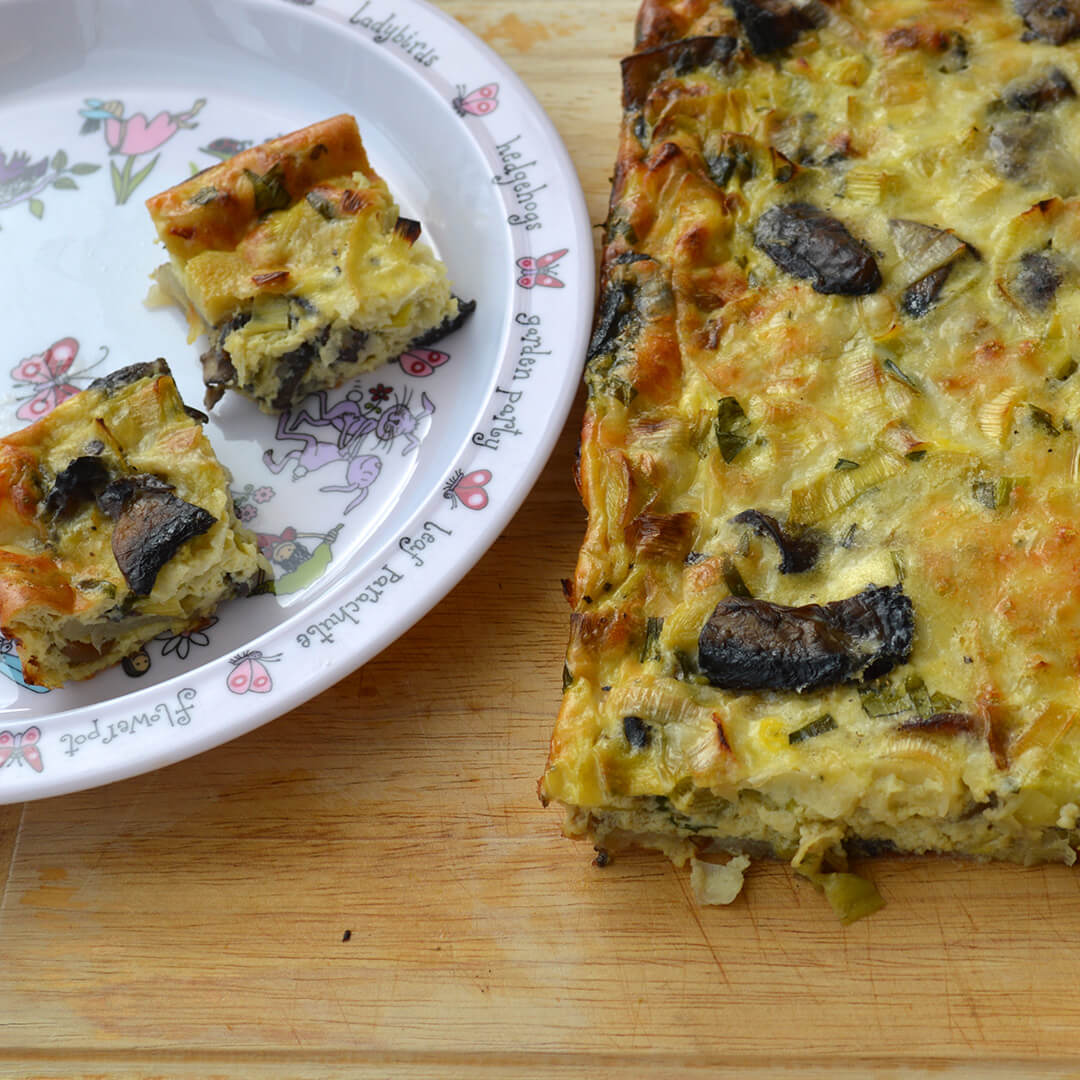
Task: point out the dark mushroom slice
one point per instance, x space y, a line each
125 376
447 326
771 25
810 244
1036 95
81 480
917 299
1037 280
732 158
757 645
797 554
1014 144
643 70
293 366
1056 21
927 257
217 366
637 732
150 524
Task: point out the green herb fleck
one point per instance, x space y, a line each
915 455
1042 420
993 494
734 580
651 649
270 190
845 464
732 427
204 195
567 678
894 369
322 205
810 731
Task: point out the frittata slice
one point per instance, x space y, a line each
116 525
293 258
828 601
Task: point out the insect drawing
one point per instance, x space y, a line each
46 378
540 271
12 668
480 102
468 489
21 746
249 674
422 362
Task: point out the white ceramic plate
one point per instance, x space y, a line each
372 504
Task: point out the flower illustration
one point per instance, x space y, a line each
246 512
181 643
263 494
381 392
22 180
131 136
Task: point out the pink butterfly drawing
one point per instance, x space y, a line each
21 746
49 378
479 102
249 674
534 270
468 489
422 362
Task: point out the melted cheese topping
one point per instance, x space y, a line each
293 253
930 445
62 595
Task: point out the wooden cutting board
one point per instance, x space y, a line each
368 886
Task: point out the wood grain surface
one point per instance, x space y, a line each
192 922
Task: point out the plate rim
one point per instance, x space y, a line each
303 685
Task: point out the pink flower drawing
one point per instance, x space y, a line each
130 136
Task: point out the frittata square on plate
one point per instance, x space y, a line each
828 601
293 257
116 524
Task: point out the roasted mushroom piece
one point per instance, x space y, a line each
808 243
797 553
751 644
1056 21
149 525
771 25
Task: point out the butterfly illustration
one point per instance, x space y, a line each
534 268
21 746
479 102
48 377
422 362
249 674
468 490
10 666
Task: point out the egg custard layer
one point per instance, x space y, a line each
116 525
293 258
828 600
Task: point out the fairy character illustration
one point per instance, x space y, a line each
300 564
47 378
479 102
12 668
540 271
353 422
137 664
